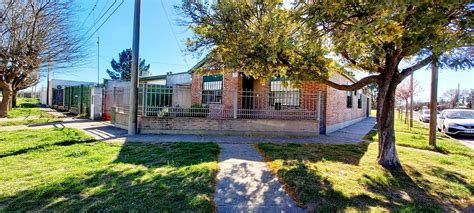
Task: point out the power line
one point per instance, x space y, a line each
101 16
88 15
174 34
104 21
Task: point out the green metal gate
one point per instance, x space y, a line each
77 99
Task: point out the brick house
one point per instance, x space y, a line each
232 103
273 99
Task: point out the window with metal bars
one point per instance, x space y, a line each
349 99
359 101
284 94
212 89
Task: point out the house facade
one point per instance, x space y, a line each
278 100
233 103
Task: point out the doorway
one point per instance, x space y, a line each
247 92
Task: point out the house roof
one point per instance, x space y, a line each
203 61
199 64
153 77
160 77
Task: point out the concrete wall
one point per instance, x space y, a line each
108 98
96 103
178 78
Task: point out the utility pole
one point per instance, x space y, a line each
133 113
98 51
47 82
433 101
411 101
458 96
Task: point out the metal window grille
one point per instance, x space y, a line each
161 101
212 92
284 95
349 99
359 101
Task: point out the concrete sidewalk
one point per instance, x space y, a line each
246 184
101 130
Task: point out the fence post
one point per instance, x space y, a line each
235 104
319 105
144 97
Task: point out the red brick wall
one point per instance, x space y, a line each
196 89
336 108
157 125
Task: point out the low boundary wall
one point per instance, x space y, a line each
196 125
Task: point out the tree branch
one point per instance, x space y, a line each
346 56
355 86
408 71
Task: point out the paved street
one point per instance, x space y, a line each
466 140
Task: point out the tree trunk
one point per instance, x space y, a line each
14 93
5 105
433 101
387 156
406 111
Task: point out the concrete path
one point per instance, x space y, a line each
101 130
246 184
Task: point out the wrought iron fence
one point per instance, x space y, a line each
162 101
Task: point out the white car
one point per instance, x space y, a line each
424 115
456 121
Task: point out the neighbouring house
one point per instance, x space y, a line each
233 103
158 87
55 90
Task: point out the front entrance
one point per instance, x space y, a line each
247 92
247 97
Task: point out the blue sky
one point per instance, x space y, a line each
162 45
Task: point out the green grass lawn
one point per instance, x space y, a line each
63 169
26 113
347 177
417 137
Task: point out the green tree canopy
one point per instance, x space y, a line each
309 41
122 68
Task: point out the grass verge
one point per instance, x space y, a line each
28 113
417 137
63 169
347 178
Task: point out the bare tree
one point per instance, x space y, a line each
31 33
455 97
404 93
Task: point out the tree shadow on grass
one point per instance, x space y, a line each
19 142
44 146
394 190
142 177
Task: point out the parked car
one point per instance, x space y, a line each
425 115
456 121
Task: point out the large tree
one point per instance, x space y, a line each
123 67
33 33
302 41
